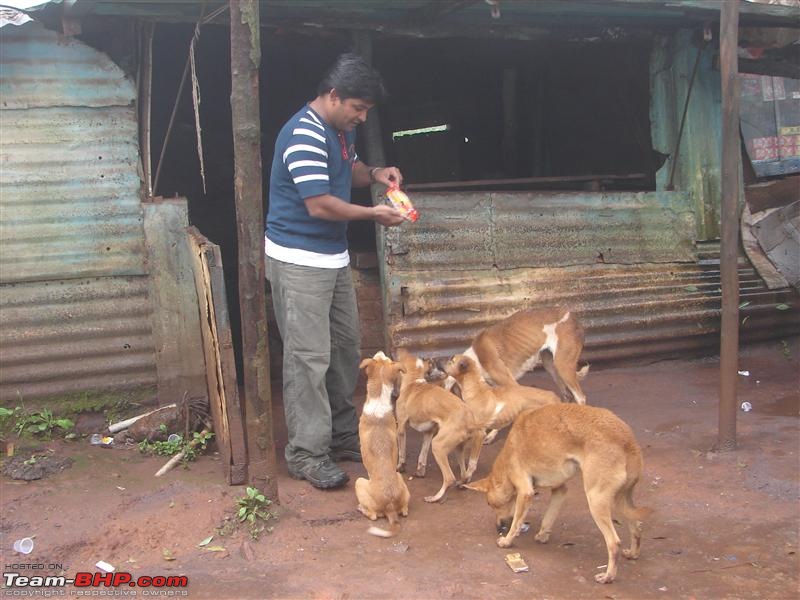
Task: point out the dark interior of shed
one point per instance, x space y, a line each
513 111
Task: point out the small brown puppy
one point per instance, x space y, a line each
445 422
494 407
545 448
384 493
552 337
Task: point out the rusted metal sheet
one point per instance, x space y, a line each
625 262
465 231
68 161
81 334
75 311
629 311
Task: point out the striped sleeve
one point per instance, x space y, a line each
306 157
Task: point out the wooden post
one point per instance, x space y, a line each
146 104
376 157
245 60
729 254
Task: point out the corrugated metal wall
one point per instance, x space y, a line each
473 259
74 305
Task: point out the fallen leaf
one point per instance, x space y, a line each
172 504
166 554
205 542
691 288
215 549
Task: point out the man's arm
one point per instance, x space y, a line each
364 175
331 208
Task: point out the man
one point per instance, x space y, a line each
307 264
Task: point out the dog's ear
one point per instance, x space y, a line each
365 363
482 485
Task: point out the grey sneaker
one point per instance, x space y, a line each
324 474
351 454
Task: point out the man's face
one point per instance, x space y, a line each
349 114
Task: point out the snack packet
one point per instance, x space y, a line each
398 199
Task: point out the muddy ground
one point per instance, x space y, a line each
725 525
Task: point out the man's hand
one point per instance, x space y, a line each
388 176
386 215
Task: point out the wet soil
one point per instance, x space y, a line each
725 525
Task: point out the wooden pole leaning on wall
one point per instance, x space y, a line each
376 157
729 253
245 60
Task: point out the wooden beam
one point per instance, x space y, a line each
488 183
246 121
729 252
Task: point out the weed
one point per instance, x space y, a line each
787 353
42 422
190 449
253 510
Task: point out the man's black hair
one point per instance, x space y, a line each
352 77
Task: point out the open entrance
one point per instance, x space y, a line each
461 114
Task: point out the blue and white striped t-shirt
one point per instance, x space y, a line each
311 158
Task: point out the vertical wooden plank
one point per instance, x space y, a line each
221 383
731 185
176 325
232 406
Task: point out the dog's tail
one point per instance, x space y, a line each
393 530
629 510
625 503
583 371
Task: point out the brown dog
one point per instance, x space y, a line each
445 422
545 448
384 493
552 337
494 407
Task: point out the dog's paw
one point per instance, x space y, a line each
401 468
432 499
603 578
504 542
630 554
542 537
420 472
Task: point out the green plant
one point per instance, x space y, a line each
42 422
787 353
253 510
190 449
160 448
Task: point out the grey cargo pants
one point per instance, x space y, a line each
317 317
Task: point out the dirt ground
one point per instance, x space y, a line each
725 525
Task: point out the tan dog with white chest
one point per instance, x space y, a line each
384 493
446 423
553 337
494 407
544 449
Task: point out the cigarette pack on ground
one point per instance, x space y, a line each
516 564
398 199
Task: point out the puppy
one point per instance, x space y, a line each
552 337
384 493
445 422
545 448
494 407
